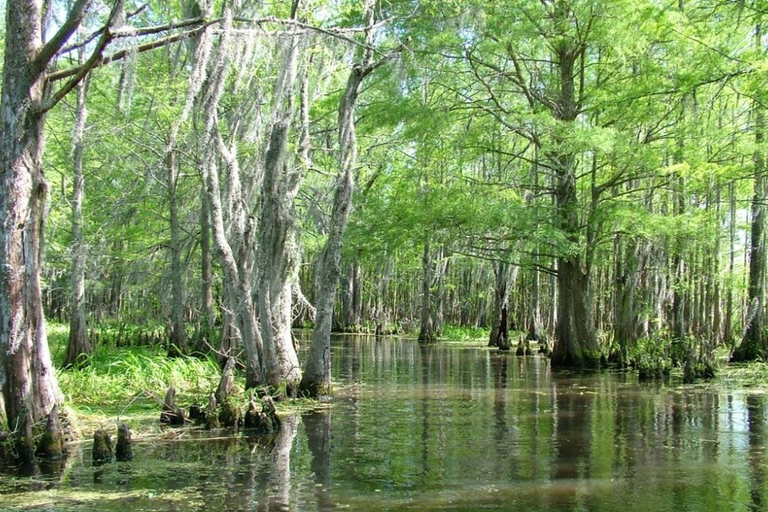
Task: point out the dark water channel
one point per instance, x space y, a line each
446 427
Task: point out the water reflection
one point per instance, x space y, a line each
317 428
446 427
756 422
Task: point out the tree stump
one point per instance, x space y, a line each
172 415
102 447
252 416
227 382
264 421
230 415
212 416
51 445
168 406
522 346
124 448
197 414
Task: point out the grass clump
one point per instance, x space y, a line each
116 376
128 384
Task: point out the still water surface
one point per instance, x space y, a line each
448 427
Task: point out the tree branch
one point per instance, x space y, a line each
49 50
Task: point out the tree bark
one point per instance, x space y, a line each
426 331
178 341
575 342
500 328
754 344
317 373
232 246
78 345
209 318
278 253
30 389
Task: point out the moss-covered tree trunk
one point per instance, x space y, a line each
316 380
30 389
575 341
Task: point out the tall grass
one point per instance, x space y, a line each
115 379
117 376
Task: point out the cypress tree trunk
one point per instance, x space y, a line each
316 380
78 345
679 327
438 316
575 342
278 253
234 251
754 344
500 328
356 312
426 331
727 328
205 270
178 339
30 389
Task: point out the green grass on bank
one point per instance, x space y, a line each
129 384
465 333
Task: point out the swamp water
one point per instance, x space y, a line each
447 427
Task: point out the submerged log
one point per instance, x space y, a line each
102 447
51 445
124 448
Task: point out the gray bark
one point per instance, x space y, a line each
238 286
205 270
278 253
78 344
30 389
178 339
317 373
232 255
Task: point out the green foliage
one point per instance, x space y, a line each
651 357
116 378
465 333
